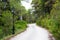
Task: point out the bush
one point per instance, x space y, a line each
51 24
5 24
20 26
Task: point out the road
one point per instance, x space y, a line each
33 32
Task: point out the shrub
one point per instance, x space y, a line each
20 25
51 24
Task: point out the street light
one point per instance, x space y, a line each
13 29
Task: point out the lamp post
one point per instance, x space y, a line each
13 28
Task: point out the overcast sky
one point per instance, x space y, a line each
27 4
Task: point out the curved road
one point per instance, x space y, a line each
33 32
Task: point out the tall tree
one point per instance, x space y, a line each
8 8
42 7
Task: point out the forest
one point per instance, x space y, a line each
14 17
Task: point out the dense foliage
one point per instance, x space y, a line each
51 20
11 16
14 17
20 26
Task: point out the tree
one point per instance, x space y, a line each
6 16
42 7
55 13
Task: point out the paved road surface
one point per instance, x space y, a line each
33 32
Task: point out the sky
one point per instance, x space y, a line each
27 4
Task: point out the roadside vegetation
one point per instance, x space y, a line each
49 15
14 17
11 12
